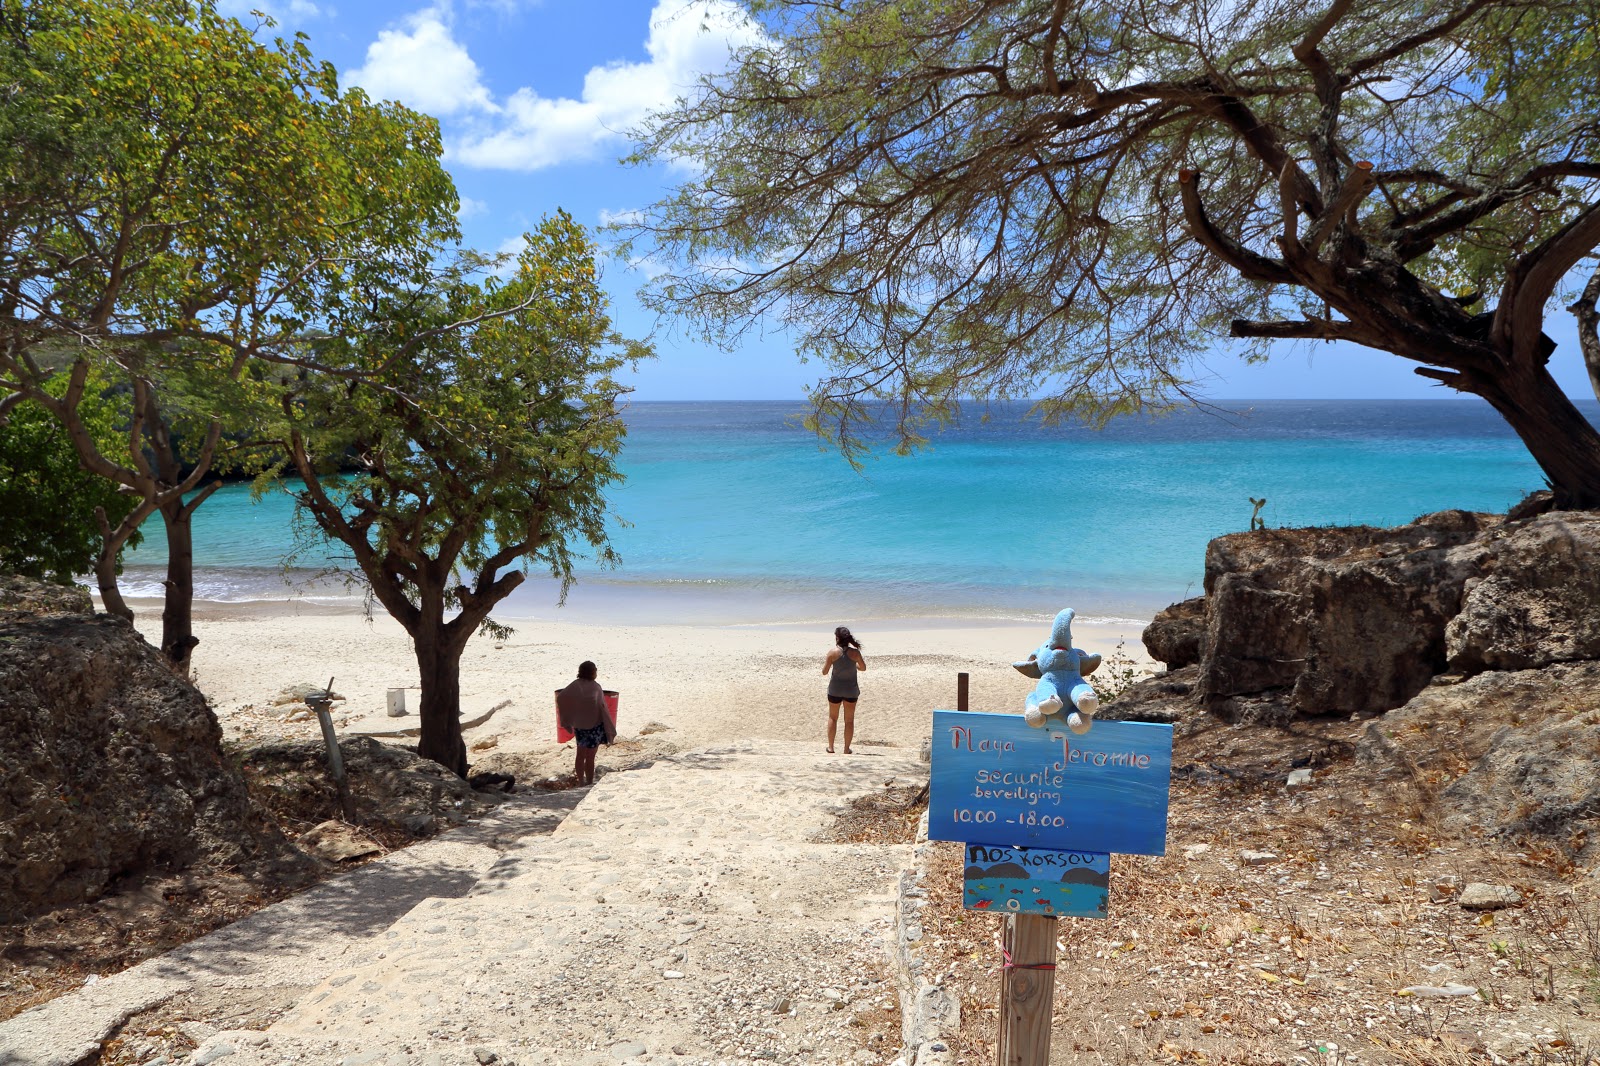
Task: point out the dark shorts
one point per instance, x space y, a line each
839 697
591 738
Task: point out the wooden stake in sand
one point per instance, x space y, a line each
322 704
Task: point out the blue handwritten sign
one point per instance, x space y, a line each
1057 884
997 780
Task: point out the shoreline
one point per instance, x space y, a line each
754 602
705 682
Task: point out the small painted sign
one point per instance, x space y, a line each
1057 884
997 780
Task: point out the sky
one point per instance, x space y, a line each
534 98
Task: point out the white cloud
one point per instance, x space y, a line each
687 38
470 208
423 66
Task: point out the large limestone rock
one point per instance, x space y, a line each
1175 635
111 763
1333 620
1539 599
1508 754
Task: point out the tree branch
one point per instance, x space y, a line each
1315 329
1589 328
1530 282
1253 266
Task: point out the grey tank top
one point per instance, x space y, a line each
844 673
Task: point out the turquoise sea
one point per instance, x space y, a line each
736 516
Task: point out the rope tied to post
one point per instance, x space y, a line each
1010 964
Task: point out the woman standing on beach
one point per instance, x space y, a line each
843 661
581 708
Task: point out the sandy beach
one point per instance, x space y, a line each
707 684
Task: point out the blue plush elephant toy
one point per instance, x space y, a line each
1060 669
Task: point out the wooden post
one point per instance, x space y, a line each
1026 992
331 741
961 692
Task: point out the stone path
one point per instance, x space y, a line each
681 913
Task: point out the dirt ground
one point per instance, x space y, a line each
1331 951
145 916
1334 950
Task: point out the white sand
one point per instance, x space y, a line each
708 684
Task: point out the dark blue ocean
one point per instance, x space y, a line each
735 514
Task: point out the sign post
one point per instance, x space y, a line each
1040 811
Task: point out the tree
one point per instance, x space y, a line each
48 502
485 426
178 202
1005 197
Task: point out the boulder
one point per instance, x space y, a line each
1510 754
335 841
113 763
1332 620
1165 698
1538 601
1175 635
393 788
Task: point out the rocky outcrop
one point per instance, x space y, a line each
1538 601
1336 620
1176 634
1306 622
393 788
112 763
1507 754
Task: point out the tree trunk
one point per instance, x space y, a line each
439 660
177 614
105 575
1561 440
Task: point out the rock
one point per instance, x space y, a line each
1176 634
1257 858
1194 851
337 842
628 1049
1527 758
211 1053
491 781
1478 896
672 975
484 1056
1537 603
1332 621
113 763
1439 991
1166 699
392 786
24 600
1298 779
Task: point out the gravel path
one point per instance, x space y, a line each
681 913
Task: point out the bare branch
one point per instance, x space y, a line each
1531 281
1248 263
1589 328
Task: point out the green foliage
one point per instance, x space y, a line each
180 204
484 421
47 500
942 199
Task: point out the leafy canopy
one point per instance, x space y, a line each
48 528
1019 198
483 423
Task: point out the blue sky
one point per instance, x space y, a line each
534 96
